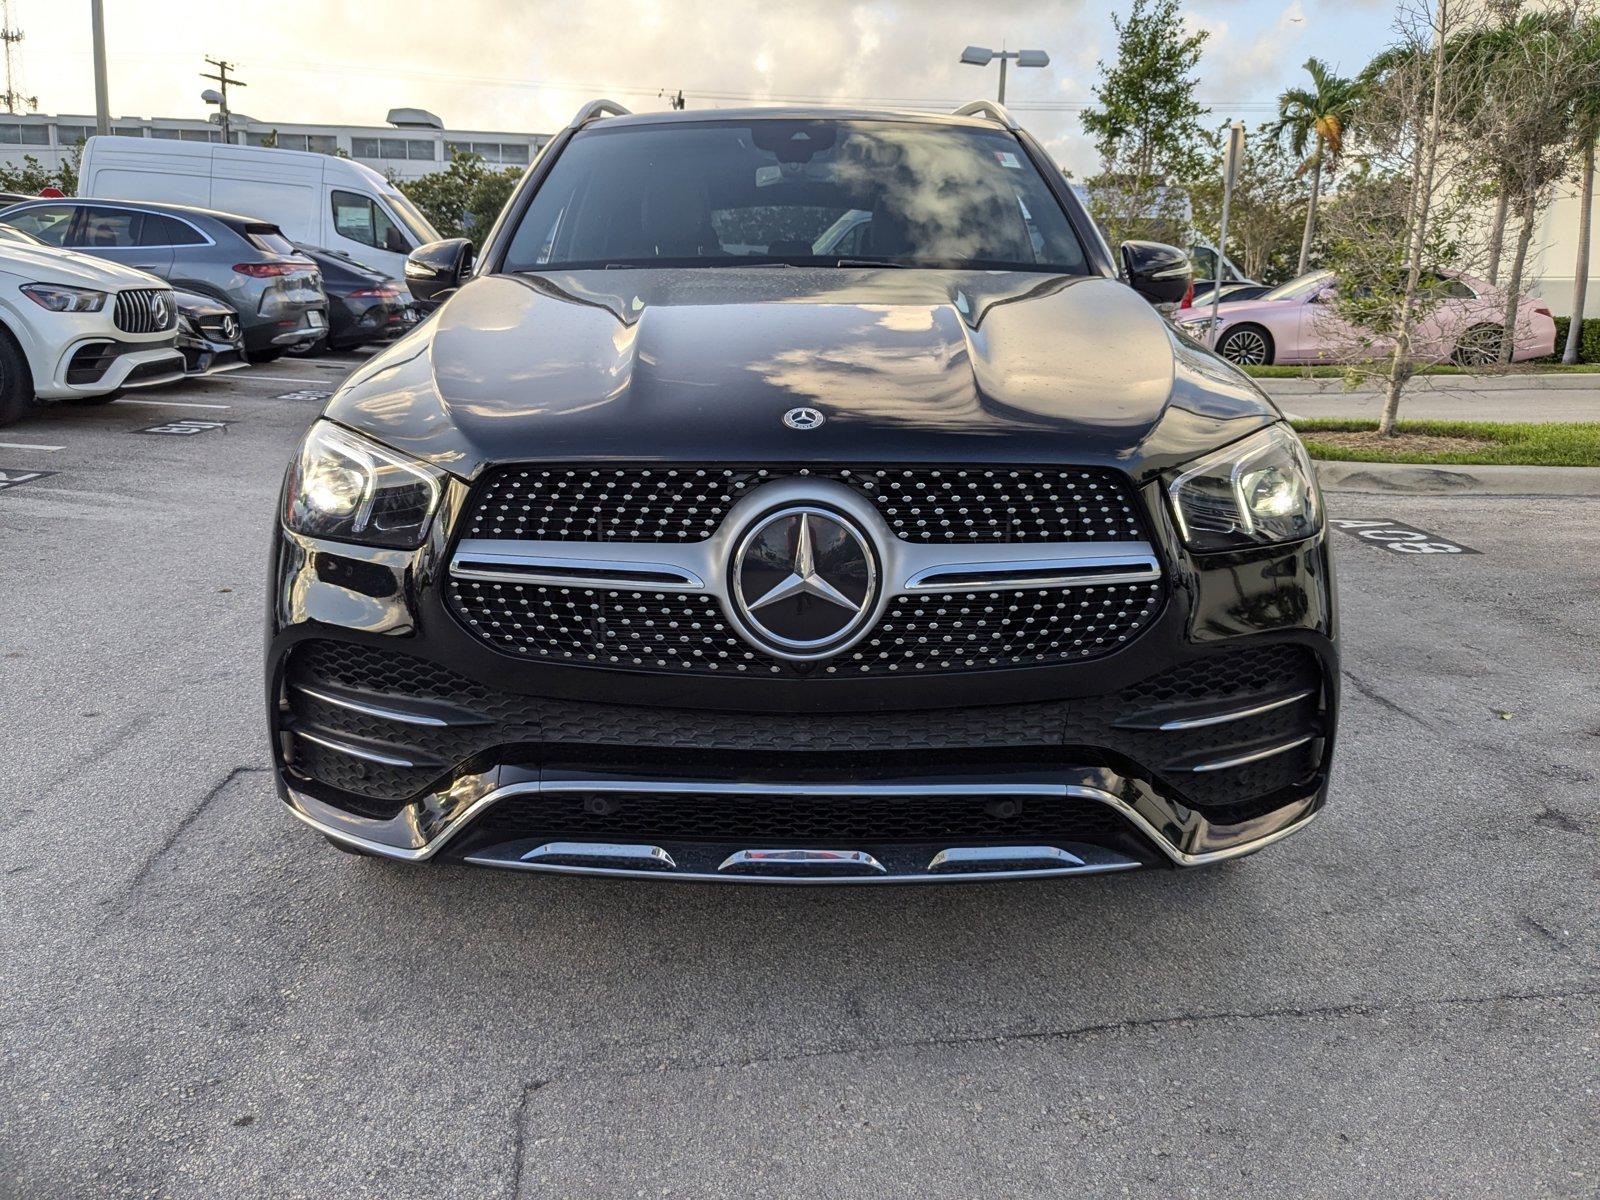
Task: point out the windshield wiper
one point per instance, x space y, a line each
869 262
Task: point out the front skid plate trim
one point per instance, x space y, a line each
804 880
300 806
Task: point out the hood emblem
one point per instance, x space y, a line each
804 582
803 418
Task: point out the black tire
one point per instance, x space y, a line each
309 349
1477 347
271 354
1247 346
16 382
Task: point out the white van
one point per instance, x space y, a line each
316 199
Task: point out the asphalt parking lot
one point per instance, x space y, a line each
202 998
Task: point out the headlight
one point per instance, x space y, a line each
344 487
57 298
1253 493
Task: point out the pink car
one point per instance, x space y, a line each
1294 323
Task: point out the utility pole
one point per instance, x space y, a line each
11 37
102 101
1232 159
222 78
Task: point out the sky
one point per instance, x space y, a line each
527 65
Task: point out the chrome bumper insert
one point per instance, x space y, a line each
1183 837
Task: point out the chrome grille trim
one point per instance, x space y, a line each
1225 764
908 569
136 311
1237 714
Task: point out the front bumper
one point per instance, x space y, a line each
397 732
100 365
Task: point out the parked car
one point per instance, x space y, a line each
364 305
314 198
672 547
247 264
1232 293
75 328
1296 323
210 337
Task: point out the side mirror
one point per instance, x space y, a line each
437 269
1158 272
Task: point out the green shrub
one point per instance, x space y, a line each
1589 348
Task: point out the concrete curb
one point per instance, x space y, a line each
1513 382
1419 480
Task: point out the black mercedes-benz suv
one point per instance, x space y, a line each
800 496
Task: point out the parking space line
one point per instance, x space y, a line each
173 404
285 378
28 446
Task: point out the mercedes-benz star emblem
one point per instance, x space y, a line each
803 418
160 310
230 327
804 582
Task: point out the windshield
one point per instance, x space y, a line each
808 193
411 217
1299 287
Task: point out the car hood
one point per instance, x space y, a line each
701 365
47 264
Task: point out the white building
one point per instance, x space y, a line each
1554 252
415 142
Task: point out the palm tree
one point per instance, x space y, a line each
1587 123
1315 119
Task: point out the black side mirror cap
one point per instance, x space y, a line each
1158 272
437 269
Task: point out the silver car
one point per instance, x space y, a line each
245 263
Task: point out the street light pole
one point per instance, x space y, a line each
102 101
982 56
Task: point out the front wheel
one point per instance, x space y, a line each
1247 345
16 382
1477 347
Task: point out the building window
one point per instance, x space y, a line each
72 135
24 135
514 153
187 135
320 143
366 147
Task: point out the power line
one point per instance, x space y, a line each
714 95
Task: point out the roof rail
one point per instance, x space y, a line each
599 108
987 108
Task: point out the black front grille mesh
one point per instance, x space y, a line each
842 822
921 504
918 634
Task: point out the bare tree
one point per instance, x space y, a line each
1409 217
1535 69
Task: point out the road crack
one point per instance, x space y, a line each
182 827
1131 1025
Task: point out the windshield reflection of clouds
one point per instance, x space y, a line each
712 193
